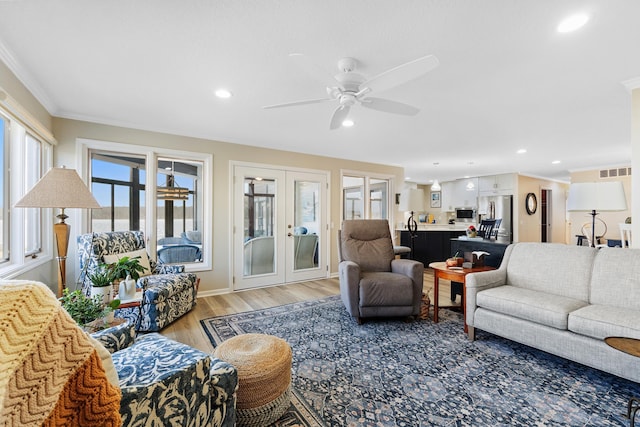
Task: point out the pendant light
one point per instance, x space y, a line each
172 191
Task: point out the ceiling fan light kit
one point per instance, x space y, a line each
354 88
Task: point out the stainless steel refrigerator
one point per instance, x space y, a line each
498 207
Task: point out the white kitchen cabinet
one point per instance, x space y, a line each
446 196
459 193
503 184
465 193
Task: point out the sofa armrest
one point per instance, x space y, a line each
414 270
349 273
165 382
117 337
224 383
476 282
410 268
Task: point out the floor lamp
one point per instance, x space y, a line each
413 202
596 196
59 188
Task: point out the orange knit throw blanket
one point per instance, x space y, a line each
50 373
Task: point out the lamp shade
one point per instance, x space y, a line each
412 200
598 196
59 188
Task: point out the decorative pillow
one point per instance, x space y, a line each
142 253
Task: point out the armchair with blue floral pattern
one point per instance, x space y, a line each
168 292
164 382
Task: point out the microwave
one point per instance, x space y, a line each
465 214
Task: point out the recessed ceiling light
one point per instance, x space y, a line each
572 23
223 93
521 151
348 123
407 178
556 162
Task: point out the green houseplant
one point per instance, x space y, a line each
100 283
124 267
84 309
101 277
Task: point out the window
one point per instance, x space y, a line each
25 155
177 197
169 204
4 193
117 183
365 197
32 216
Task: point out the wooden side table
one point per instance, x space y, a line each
134 302
454 274
630 346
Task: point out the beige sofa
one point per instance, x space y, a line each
564 300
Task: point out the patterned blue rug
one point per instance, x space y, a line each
396 373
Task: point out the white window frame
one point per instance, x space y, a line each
20 124
151 154
368 176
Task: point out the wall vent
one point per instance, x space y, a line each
614 173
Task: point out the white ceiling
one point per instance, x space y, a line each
507 80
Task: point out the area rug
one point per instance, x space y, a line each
391 372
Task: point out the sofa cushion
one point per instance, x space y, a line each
540 307
385 289
600 321
553 268
368 244
616 278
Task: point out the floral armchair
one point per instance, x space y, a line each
168 292
164 382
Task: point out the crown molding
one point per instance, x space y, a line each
632 84
26 79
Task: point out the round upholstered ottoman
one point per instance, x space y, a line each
264 376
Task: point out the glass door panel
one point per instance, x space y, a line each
306 225
258 227
259 242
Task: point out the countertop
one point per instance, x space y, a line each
438 227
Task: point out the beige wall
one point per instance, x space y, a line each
67 131
529 227
611 219
20 93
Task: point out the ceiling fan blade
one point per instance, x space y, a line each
401 74
339 116
292 104
389 106
312 69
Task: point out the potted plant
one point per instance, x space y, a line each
124 269
100 283
84 309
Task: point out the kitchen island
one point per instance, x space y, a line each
432 242
494 248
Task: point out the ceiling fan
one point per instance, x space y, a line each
354 89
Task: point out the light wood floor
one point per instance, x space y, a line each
187 329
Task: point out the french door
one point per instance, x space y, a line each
279 226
